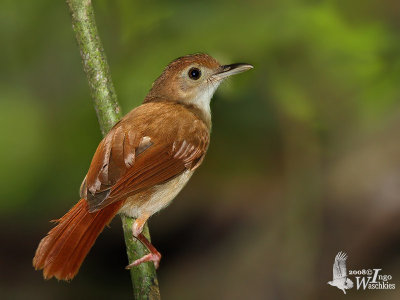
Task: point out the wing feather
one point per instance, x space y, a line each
339 266
128 161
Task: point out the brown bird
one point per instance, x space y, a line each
141 164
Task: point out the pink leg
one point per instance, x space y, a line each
154 255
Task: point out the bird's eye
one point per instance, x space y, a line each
194 73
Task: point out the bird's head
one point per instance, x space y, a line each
192 80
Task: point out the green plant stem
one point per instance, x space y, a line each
144 277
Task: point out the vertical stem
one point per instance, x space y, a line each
95 64
144 277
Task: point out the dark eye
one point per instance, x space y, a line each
194 73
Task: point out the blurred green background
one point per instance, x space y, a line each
304 157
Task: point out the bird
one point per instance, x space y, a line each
141 164
340 279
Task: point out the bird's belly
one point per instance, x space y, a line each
156 198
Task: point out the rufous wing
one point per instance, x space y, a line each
129 159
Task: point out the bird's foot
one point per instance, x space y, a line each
154 257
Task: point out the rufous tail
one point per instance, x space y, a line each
61 253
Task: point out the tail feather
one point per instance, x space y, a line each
349 283
48 243
58 259
61 253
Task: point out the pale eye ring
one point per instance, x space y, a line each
194 73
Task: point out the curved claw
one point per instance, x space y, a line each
154 257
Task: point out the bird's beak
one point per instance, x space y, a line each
228 70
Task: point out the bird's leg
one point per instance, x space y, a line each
154 255
138 225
